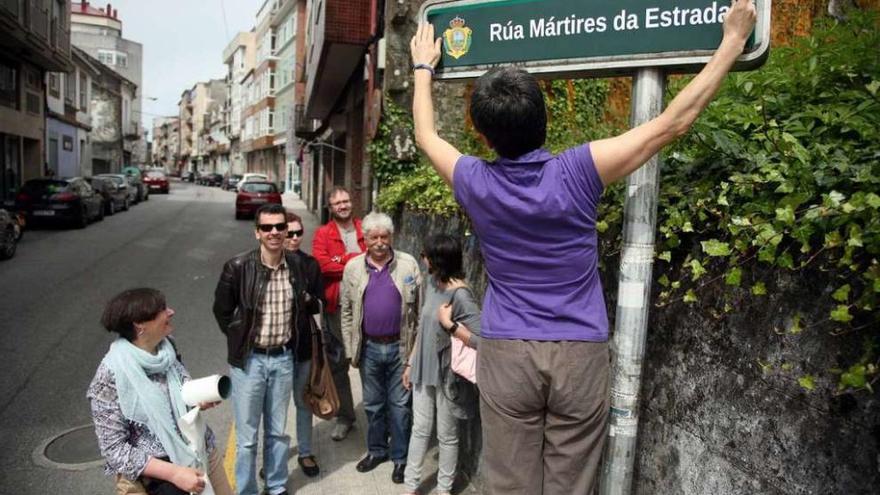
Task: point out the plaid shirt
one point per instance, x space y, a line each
276 308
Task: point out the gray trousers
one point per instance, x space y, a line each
429 402
340 373
544 408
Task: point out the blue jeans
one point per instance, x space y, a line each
303 413
262 390
381 371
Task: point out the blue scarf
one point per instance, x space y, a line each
143 401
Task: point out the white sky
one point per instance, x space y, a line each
183 43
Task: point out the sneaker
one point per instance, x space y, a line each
340 431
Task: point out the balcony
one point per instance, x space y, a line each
26 33
339 36
304 127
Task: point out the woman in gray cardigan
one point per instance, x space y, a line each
449 311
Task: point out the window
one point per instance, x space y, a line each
121 59
83 92
53 85
8 86
105 57
70 88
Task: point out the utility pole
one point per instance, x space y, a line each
633 295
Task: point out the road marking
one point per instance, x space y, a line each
229 460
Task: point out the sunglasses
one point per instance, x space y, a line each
294 233
267 227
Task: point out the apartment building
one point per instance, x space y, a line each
68 117
239 57
194 107
112 121
166 133
261 153
98 31
34 39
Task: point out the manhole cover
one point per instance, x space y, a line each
74 449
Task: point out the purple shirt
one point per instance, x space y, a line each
381 303
536 220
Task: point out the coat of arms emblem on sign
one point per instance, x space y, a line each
457 39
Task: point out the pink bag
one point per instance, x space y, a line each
463 360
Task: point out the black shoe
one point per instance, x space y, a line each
310 471
397 474
369 463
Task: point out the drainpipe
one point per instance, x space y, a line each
633 295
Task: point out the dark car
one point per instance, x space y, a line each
156 181
188 176
9 234
252 195
72 201
212 179
115 197
230 182
134 175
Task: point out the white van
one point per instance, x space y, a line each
254 177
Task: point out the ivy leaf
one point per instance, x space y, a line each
854 377
796 326
690 297
785 261
785 215
663 280
759 289
714 247
842 293
687 227
733 277
834 199
841 314
697 269
808 382
872 200
601 226
665 256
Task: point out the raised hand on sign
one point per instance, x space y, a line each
740 19
425 49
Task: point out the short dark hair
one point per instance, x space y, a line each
269 209
130 307
507 107
293 217
336 190
444 253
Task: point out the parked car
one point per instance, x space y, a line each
156 181
115 198
124 182
211 179
252 195
134 173
188 176
67 200
230 182
254 177
9 234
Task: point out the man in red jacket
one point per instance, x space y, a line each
336 242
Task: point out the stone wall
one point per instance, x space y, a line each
722 411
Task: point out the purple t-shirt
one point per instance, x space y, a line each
536 220
381 303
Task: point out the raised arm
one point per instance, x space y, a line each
426 52
619 156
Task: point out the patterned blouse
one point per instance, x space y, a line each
125 445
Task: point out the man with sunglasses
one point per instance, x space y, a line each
335 243
260 296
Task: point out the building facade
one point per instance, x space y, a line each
239 57
34 39
112 121
166 133
68 117
98 31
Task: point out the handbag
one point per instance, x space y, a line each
462 359
320 393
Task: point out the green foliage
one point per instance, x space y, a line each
575 109
782 171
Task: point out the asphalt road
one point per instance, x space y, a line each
51 297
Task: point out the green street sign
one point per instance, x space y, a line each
585 37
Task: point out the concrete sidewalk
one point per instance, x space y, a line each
338 459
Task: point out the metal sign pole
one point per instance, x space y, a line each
633 295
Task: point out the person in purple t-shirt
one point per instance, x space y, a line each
543 364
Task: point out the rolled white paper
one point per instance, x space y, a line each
209 389
192 425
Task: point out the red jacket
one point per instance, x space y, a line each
326 245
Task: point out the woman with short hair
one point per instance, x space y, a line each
136 402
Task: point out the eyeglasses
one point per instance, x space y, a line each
294 233
267 227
